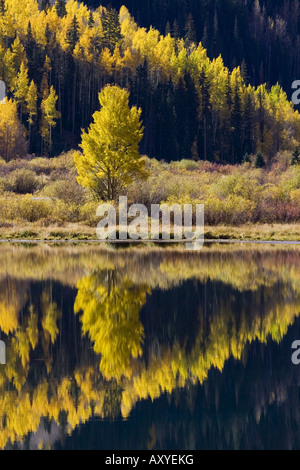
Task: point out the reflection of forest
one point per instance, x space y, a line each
147 322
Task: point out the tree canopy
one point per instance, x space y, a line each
111 158
195 103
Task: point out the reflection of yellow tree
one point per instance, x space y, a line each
85 393
12 297
50 314
173 367
111 310
110 301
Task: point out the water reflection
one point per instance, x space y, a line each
180 350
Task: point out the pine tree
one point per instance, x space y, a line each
175 30
48 33
33 51
244 72
236 124
29 38
216 44
204 115
111 28
2 7
73 34
168 28
91 21
204 40
296 157
259 161
248 125
60 7
246 158
45 4
190 31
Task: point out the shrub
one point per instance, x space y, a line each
87 213
33 209
289 181
295 197
189 165
233 210
68 212
41 165
24 208
68 190
283 212
22 182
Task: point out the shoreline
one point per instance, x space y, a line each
147 242
250 233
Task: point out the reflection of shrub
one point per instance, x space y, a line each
22 182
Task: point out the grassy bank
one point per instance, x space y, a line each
82 232
41 199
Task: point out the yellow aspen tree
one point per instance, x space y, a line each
9 70
31 102
7 28
49 117
12 133
111 159
19 54
106 61
2 65
45 80
21 90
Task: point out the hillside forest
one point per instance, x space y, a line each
196 103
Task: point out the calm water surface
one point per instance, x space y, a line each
111 348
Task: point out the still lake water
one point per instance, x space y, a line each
162 349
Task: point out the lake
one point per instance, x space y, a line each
149 348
